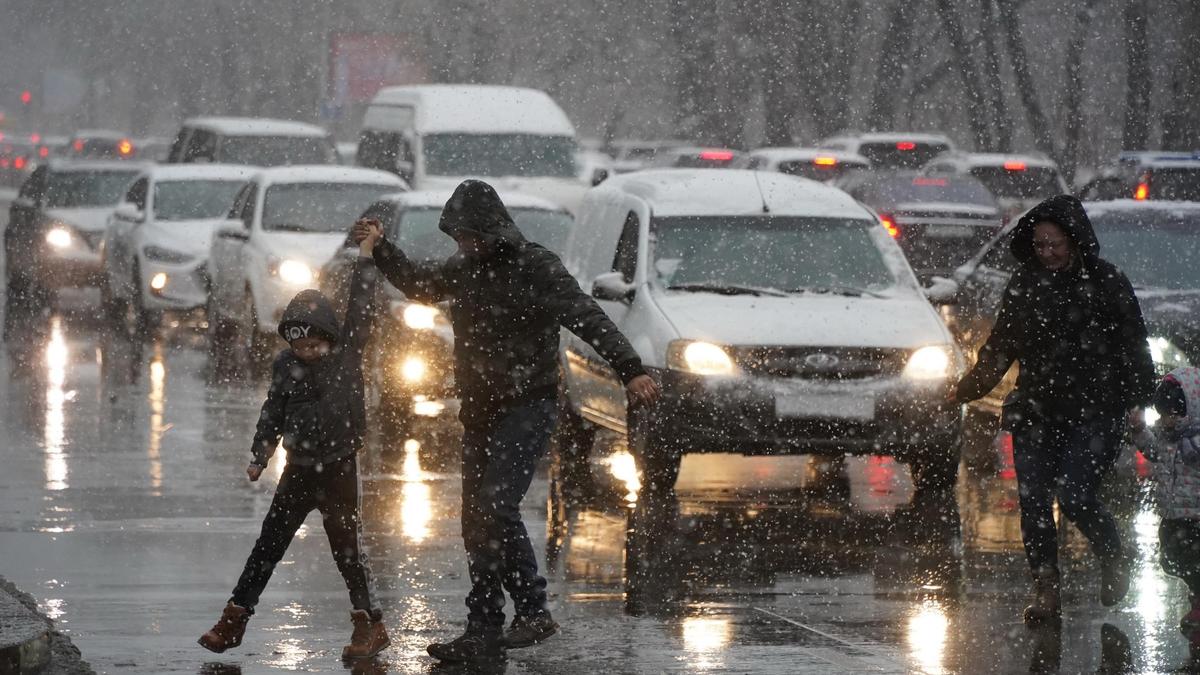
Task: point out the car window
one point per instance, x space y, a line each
248 206
1034 182
69 189
999 256
499 155
33 188
276 150
625 259
378 149
916 188
901 155
1175 184
193 199
1155 248
787 253
201 145
176 152
137 193
807 168
417 234
317 207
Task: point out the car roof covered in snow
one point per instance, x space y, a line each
256 126
99 133
438 199
327 173
974 159
472 108
68 164
184 172
731 192
782 154
897 136
1134 205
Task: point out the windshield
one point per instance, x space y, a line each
318 207
784 253
66 189
902 155
807 168
499 155
276 150
194 199
1181 185
904 188
417 233
1028 183
1154 248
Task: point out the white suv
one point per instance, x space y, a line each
284 225
778 315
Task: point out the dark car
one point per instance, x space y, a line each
939 221
55 227
1164 176
413 347
101 144
17 159
892 150
1156 244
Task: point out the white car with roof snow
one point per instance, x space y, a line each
436 135
285 223
818 164
892 149
1018 182
778 314
253 141
156 243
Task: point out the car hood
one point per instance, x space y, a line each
977 210
88 219
312 248
566 192
804 320
1171 313
187 236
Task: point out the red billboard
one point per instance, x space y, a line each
361 63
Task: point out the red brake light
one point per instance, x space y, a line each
43 152
78 145
4 163
1014 166
717 155
937 182
35 138
906 146
125 147
26 97
825 161
1143 190
19 163
889 224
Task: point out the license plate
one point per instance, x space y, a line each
949 231
839 406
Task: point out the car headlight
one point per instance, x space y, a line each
929 363
1166 355
701 358
421 317
295 272
160 254
413 369
59 237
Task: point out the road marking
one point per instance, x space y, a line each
834 638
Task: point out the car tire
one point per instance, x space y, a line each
257 344
145 321
652 525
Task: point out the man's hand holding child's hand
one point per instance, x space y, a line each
366 232
254 472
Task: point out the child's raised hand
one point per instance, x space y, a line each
367 231
254 472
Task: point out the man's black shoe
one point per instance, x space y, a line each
474 646
527 631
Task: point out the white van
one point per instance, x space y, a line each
778 315
434 136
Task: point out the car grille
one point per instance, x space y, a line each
821 363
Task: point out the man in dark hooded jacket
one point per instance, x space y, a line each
1072 322
508 298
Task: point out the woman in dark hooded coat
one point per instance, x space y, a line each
1072 322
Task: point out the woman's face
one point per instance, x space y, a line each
1053 247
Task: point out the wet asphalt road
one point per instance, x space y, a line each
124 509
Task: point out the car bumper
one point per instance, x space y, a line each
185 288
762 416
71 268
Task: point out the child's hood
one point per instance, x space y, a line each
1189 381
313 308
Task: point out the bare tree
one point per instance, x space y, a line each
1137 92
1073 86
968 74
1181 119
1026 89
1001 119
890 72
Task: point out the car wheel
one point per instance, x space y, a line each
222 337
257 344
652 523
145 321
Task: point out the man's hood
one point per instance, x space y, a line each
476 208
1065 211
313 308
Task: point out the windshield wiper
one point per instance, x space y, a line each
726 289
851 291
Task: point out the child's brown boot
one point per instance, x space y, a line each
369 637
228 631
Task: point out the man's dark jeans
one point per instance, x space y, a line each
1068 460
498 460
333 490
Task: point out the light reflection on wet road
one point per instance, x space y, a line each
125 510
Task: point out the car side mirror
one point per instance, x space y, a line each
232 229
942 291
405 170
599 176
612 286
130 212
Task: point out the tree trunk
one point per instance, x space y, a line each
1137 91
1026 89
1001 119
891 67
968 73
1072 103
1181 119
778 68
